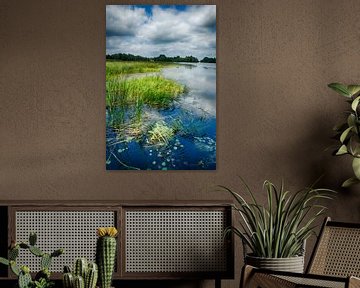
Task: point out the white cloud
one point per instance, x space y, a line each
171 31
124 20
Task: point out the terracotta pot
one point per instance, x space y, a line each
291 264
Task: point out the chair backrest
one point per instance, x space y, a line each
337 251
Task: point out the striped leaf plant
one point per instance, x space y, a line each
279 228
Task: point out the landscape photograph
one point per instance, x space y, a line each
161 87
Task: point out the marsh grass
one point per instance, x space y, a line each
116 68
160 133
126 98
155 91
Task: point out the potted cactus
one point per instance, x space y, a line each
106 254
42 278
85 275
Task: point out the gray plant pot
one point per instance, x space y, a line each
291 264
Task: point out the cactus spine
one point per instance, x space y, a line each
106 254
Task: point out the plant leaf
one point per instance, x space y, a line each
353 89
355 103
340 88
356 167
342 150
349 182
345 134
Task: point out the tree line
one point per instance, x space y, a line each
160 58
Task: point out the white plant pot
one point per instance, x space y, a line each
291 264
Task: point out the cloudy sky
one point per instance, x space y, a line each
149 31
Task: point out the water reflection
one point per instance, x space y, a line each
201 80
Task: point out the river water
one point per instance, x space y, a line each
193 146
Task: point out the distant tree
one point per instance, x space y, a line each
208 60
160 58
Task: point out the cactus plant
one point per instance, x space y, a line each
91 276
68 280
79 282
42 278
80 268
105 254
84 274
24 277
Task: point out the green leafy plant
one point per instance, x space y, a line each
279 229
348 132
42 278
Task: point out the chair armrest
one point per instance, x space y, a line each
254 277
354 282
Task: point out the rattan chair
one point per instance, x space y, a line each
334 263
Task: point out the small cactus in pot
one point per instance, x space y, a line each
85 275
106 254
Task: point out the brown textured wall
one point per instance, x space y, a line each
275 114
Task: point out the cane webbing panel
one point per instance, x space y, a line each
175 241
338 252
313 282
75 231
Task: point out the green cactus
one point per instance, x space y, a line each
57 252
24 280
13 253
67 269
91 276
42 278
24 245
32 238
68 280
45 261
105 255
79 282
87 272
14 268
36 251
80 267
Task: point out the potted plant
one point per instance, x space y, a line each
276 233
42 278
348 133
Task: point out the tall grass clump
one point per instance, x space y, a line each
155 91
116 68
160 133
279 228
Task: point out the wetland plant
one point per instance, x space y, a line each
116 68
160 134
155 91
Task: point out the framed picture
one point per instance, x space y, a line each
160 87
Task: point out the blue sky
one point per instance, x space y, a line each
151 30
